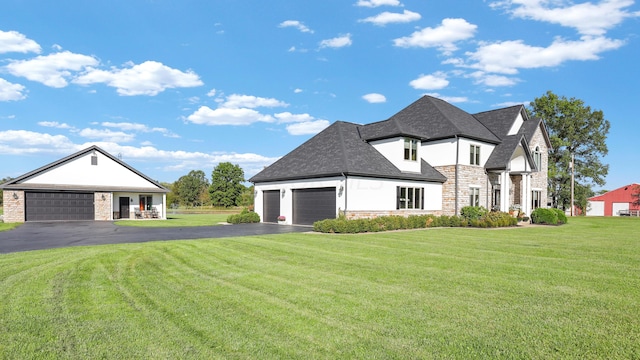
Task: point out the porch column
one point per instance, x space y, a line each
525 190
504 191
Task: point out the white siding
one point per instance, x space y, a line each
80 172
393 150
595 208
440 153
465 146
516 125
366 194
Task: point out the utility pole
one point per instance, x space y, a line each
572 180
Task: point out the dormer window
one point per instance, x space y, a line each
410 149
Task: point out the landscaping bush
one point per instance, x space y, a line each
244 217
548 216
397 222
473 212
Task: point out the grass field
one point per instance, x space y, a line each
538 292
178 220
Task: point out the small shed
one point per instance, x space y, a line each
618 202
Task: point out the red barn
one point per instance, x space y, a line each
618 202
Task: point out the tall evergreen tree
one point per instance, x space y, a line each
574 129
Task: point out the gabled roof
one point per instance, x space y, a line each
623 191
339 150
18 183
501 155
529 128
499 121
430 118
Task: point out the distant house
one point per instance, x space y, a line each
88 185
431 157
615 202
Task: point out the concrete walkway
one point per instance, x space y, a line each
48 235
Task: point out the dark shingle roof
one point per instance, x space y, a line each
339 150
501 155
500 121
430 118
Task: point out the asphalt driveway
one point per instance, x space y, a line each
48 235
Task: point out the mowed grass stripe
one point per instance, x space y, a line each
557 292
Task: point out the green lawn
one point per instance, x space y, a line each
539 292
177 220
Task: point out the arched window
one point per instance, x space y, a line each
537 158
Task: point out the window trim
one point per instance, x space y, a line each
535 198
537 158
144 204
404 193
474 154
410 149
474 196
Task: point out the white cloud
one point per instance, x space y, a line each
389 17
337 42
375 98
307 128
587 18
296 24
148 78
298 91
20 142
127 126
287 117
493 80
10 91
450 99
13 41
376 3
227 116
106 135
55 124
442 37
236 101
212 93
51 70
507 57
435 81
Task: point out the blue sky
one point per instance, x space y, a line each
173 86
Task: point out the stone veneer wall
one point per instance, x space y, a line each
13 208
539 179
467 175
102 208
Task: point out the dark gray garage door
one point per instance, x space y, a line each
271 205
59 206
311 205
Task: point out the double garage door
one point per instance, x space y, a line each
59 206
309 205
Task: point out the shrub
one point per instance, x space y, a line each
244 217
472 212
548 216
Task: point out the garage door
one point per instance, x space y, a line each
59 206
270 205
311 205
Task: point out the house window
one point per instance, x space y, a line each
536 195
474 196
411 149
146 202
537 157
474 155
496 199
410 198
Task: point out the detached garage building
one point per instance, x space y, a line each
88 185
618 202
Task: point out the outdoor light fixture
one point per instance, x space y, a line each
340 190
103 198
15 196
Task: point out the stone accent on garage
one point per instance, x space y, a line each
13 206
468 176
102 203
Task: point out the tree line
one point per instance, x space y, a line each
226 188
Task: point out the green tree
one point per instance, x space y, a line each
636 195
573 129
189 188
226 184
2 181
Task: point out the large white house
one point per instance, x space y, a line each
431 157
88 185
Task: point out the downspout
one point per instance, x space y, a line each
456 172
345 194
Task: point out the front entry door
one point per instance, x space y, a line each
124 208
